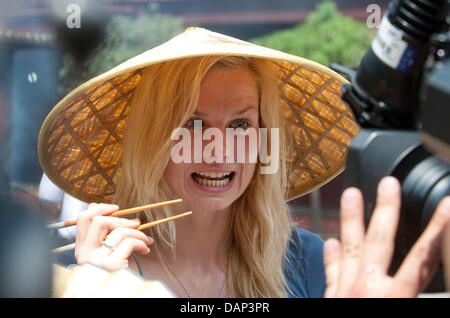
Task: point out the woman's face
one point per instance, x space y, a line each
228 99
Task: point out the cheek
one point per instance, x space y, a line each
173 175
169 174
248 153
247 172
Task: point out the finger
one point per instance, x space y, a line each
101 226
84 219
352 237
127 246
380 238
423 258
446 255
332 261
119 234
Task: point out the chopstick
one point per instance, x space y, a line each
63 249
59 225
170 218
141 227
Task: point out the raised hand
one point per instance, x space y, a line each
357 266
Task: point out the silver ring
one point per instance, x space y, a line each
104 243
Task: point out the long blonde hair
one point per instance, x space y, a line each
165 98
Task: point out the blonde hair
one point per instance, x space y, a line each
165 98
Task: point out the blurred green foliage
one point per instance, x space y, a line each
125 37
325 36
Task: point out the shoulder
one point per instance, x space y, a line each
311 241
304 269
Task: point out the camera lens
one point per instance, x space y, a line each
425 181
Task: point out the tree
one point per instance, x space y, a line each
325 36
124 38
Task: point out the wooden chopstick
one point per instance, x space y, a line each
141 227
170 218
59 225
62 249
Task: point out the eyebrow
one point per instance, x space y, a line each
239 112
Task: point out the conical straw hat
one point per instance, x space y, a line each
80 147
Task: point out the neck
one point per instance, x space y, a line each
201 236
200 255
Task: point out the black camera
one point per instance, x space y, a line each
400 95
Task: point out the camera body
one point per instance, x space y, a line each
400 96
425 180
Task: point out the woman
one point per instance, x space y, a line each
239 241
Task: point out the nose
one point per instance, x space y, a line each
215 146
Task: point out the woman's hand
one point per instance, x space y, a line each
358 265
93 225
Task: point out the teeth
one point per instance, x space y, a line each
214 174
213 183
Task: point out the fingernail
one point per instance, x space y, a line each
108 207
349 197
134 221
329 246
387 185
444 206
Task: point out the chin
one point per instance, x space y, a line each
212 204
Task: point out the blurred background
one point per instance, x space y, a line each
48 47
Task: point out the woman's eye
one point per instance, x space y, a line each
240 124
194 123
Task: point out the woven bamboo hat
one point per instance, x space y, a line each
80 147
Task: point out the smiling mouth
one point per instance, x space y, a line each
213 179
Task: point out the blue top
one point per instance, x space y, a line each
304 270
303 267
